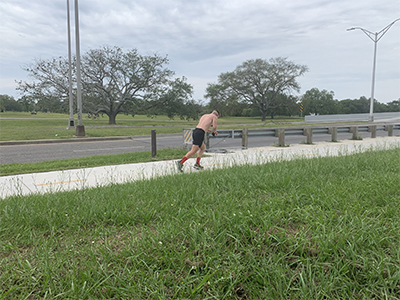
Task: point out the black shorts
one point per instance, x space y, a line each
198 136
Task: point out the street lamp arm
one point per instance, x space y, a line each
384 30
354 28
375 36
368 33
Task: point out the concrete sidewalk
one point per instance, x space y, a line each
56 181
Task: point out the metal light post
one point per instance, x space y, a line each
71 123
375 37
80 129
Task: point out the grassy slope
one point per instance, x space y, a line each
324 228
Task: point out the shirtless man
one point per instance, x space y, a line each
206 121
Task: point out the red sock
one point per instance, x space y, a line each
198 160
183 160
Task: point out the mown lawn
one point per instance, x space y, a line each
321 228
24 126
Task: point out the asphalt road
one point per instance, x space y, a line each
29 153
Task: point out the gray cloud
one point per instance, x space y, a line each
205 38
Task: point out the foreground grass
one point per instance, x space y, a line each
321 228
91 161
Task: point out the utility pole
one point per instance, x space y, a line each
71 123
80 129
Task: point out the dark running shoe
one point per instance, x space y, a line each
198 167
179 166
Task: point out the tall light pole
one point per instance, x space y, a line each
80 129
375 37
71 123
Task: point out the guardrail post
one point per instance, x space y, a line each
372 129
389 129
280 133
153 144
354 130
187 136
245 137
333 132
207 140
308 132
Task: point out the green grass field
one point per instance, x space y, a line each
24 126
321 228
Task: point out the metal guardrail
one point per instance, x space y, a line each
391 117
281 132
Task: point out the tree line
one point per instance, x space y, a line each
115 81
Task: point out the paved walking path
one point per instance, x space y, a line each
48 182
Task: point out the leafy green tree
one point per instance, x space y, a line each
192 110
2 106
115 78
175 100
362 104
394 106
52 104
289 107
27 103
8 103
259 83
114 81
379 107
319 102
355 106
346 106
228 104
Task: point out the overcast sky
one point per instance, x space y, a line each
204 38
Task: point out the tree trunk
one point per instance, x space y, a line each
111 118
263 117
263 112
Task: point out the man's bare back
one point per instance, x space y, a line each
208 120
